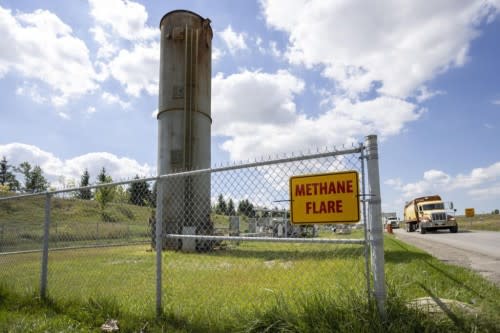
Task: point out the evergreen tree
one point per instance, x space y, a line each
246 208
34 181
85 194
230 208
7 178
221 207
102 177
140 194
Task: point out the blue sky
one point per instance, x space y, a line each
79 87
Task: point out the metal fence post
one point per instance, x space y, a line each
159 243
45 249
367 245
375 223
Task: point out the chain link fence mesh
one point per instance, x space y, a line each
233 272
101 241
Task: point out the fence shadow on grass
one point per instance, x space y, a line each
396 256
403 254
454 279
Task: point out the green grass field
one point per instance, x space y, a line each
245 287
489 222
252 287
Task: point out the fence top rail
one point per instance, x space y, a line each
335 152
269 239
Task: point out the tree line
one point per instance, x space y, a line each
138 193
34 180
223 207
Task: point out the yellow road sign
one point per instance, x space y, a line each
469 212
325 198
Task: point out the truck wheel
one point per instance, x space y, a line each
454 229
423 231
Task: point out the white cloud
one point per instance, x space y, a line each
63 115
32 91
274 49
114 99
496 102
423 94
138 70
478 181
91 109
234 41
478 176
129 49
490 191
53 167
41 47
257 113
217 54
107 45
125 19
234 102
394 46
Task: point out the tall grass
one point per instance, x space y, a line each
252 287
487 222
73 223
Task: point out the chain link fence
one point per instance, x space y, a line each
209 243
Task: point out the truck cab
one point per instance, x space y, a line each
393 221
432 215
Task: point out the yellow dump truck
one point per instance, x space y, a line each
428 213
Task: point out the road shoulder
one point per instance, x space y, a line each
486 266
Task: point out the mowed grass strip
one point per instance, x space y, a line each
249 287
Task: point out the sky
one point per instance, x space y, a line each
79 87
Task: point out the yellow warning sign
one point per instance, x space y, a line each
325 198
469 212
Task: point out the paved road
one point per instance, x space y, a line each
478 250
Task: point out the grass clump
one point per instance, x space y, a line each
350 312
